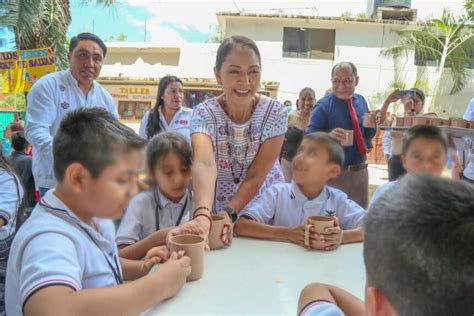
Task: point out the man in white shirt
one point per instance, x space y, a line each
56 94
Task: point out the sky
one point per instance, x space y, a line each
173 22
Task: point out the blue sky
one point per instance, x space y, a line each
166 22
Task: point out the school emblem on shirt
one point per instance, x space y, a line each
62 87
330 213
65 105
183 122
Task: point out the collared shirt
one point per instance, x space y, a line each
331 112
235 146
285 205
49 100
382 189
387 143
180 123
321 308
54 247
10 186
139 220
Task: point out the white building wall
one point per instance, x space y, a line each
358 42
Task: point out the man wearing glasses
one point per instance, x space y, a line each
340 114
56 94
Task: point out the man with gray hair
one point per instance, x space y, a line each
340 113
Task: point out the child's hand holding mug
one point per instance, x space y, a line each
332 237
299 236
156 255
327 230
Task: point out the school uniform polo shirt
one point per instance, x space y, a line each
50 99
284 204
382 189
181 123
10 187
139 220
54 247
321 308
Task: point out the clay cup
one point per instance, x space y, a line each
319 223
218 224
193 247
349 138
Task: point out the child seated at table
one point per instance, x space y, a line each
280 213
418 254
151 214
424 150
64 260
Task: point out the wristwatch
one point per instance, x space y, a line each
229 210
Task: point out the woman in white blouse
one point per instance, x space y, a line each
168 114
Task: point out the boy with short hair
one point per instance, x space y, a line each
280 213
424 150
22 163
66 250
418 254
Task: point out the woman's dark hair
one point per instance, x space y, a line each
307 89
229 43
164 143
153 126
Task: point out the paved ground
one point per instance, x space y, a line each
378 175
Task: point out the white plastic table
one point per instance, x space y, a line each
255 277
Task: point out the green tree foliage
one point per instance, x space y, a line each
449 39
42 23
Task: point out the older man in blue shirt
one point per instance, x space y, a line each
338 112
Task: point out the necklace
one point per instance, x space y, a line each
230 146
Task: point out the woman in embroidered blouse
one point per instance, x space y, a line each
236 139
168 114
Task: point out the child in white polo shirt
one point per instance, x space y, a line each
64 260
424 150
151 214
280 213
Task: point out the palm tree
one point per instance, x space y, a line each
449 40
42 23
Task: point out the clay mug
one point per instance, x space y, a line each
458 122
400 121
349 138
193 247
319 223
421 120
369 120
408 121
215 236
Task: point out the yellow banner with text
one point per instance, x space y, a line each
20 69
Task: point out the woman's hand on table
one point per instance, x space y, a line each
198 226
228 231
